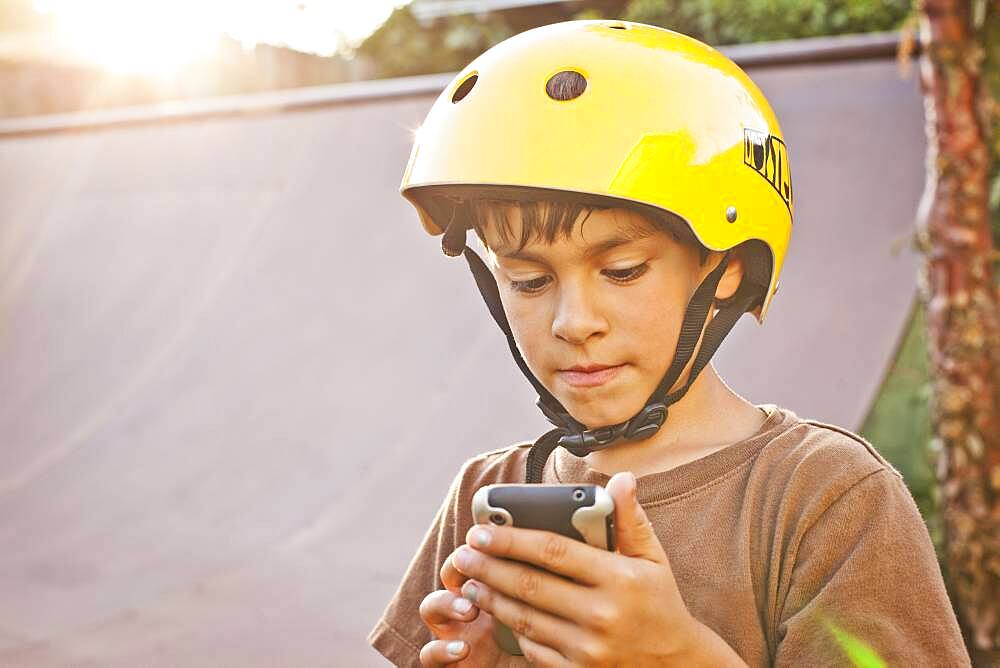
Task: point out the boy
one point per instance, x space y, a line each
631 188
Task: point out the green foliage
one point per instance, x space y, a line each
738 21
403 46
899 422
859 653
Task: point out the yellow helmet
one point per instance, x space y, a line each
610 113
663 121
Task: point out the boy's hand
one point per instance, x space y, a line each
463 623
620 608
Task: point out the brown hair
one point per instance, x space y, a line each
545 220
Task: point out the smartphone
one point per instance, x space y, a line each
582 512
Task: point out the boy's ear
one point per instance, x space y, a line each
732 277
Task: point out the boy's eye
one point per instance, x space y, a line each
530 286
628 274
618 275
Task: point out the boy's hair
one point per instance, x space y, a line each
546 220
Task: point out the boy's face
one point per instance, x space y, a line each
612 295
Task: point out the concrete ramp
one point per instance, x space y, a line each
237 378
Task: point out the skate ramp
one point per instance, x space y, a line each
237 377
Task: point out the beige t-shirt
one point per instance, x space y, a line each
778 543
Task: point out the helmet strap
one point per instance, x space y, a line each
572 434
490 293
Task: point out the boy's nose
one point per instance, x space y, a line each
577 316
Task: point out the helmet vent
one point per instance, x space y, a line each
566 85
464 88
617 26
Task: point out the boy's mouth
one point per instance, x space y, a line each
590 375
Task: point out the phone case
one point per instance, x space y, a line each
581 512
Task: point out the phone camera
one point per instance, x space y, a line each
579 494
497 518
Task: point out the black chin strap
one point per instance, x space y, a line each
570 433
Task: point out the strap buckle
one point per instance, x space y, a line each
582 442
641 426
647 422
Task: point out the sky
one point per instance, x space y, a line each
151 35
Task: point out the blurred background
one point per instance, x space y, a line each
67 55
236 378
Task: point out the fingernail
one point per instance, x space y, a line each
461 605
455 647
462 558
470 591
480 537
